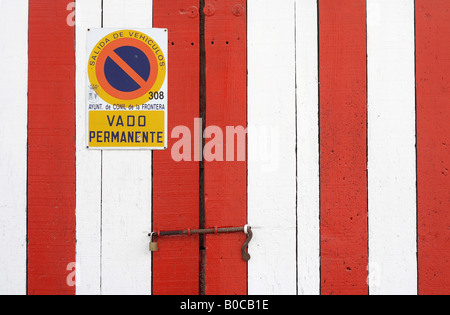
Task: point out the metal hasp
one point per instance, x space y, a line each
246 229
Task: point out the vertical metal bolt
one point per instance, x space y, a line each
238 9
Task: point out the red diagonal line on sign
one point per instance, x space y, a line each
128 70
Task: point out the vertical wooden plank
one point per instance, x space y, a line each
271 145
391 150
225 175
89 165
51 148
176 184
127 188
308 205
13 146
433 137
343 120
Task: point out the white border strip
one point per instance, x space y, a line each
272 140
392 155
308 180
89 164
127 188
13 146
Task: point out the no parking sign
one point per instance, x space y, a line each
127 89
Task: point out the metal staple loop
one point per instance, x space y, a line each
246 229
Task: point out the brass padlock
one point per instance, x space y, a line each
153 243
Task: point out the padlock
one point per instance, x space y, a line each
153 243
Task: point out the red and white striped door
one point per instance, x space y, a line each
345 179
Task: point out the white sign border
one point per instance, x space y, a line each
160 35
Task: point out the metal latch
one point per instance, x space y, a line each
246 229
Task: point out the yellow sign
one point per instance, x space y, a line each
127 89
110 129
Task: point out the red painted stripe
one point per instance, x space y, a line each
343 142
226 105
433 137
176 184
51 148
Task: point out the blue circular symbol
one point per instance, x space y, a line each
120 77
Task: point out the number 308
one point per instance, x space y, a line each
155 95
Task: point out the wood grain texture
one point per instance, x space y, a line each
13 146
51 148
271 145
126 188
343 121
391 150
433 133
308 205
226 182
89 164
176 184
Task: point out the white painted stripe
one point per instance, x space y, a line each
272 140
89 167
392 156
13 145
127 188
308 148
